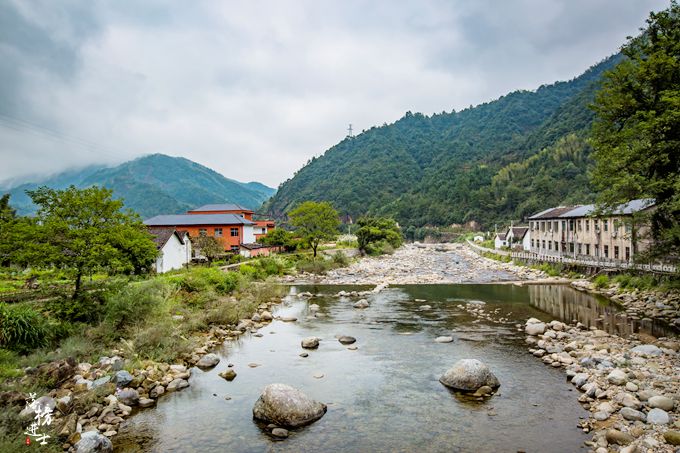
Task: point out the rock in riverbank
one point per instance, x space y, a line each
469 375
286 406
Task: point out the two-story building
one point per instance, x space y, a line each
232 225
579 232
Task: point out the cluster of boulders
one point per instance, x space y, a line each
631 388
639 304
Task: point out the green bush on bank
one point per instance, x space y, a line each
22 328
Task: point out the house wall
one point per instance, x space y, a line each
498 243
227 240
526 241
248 234
588 237
174 255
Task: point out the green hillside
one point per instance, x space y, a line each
155 184
496 161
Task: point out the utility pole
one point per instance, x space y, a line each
349 130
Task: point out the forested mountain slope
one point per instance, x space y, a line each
492 162
155 184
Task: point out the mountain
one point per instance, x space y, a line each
493 162
152 185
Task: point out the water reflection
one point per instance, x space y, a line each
569 305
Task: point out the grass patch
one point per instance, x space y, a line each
601 281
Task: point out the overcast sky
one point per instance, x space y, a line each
253 89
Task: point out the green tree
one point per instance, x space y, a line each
315 222
7 224
278 237
636 135
375 234
82 230
208 246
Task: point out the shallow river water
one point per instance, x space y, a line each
385 396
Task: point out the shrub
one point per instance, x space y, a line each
250 271
313 266
135 302
340 259
22 328
159 341
601 281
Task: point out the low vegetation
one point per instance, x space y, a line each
378 235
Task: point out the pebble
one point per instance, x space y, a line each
280 432
443 339
658 416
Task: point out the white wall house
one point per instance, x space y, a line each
174 249
518 237
248 234
500 241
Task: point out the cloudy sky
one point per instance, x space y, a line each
253 89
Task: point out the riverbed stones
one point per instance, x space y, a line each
534 327
146 402
177 384
229 374
661 402
614 436
157 391
617 377
266 316
647 350
469 375
288 318
122 378
208 361
346 339
580 379
129 397
281 433
286 406
632 415
672 437
310 343
93 442
44 403
443 339
658 416
362 303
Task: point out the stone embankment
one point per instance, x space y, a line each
664 305
422 264
630 387
93 399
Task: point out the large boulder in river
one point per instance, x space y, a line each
310 343
208 361
286 406
469 375
535 327
93 442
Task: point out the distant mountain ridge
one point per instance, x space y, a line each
490 163
152 185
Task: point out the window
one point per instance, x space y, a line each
606 251
549 245
571 225
616 252
579 249
596 224
578 224
542 226
605 223
218 232
564 226
627 253
571 247
202 232
233 232
587 225
629 227
544 244
532 242
557 248
597 250
556 224
234 248
587 248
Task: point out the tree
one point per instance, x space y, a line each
82 230
316 222
7 224
278 237
377 235
208 246
636 135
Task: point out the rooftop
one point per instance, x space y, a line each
221 207
587 210
197 219
161 235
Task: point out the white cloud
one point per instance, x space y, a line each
254 89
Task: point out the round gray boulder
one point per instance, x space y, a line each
93 442
310 343
208 361
469 375
286 406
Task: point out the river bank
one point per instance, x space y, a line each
423 264
631 386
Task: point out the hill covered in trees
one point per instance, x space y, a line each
497 161
152 185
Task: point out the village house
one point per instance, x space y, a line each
231 224
515 237
174 248
578 232
500 241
